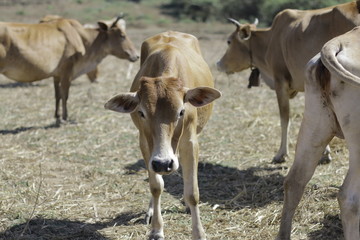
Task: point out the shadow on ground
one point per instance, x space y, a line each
331 229
227 186
19 84
25 129
41 228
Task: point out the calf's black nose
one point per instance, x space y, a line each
162 165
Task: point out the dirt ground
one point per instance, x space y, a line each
86 179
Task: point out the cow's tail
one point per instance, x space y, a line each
317 73
329 58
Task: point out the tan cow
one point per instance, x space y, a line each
332 96
93 74
62 49
170 103
282 51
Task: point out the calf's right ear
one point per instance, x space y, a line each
123 103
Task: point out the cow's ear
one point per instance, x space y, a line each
245 32
124 103
103 26
201 96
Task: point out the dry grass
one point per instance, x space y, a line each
86 180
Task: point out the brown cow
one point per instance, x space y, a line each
282 51
62 49
332 95
170 103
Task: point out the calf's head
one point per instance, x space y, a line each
161 109
119 43
238 54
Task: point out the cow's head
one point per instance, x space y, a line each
161 108
119 43
238 54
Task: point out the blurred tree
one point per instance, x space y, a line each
245 10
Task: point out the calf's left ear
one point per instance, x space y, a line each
123 103
201 96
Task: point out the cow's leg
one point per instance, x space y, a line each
189 153
348 114
349 195
156 187
57 97
282 94
156 182
317 129
64 87
146 155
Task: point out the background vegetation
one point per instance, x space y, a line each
143 13
86 179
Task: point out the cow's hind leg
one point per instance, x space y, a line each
64 87
349 194
349 197
315 133
282 94
189 152
57 97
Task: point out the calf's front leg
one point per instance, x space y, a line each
189 152
156 187
156 183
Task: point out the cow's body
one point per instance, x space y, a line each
332 95
282 51
170 103
61 48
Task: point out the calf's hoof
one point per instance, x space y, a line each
156 236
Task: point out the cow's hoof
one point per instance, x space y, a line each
156 236
325 159
278 160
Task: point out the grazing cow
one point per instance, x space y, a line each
170 102
281 52
62 49
332 91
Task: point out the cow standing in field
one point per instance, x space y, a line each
332 95
281 52
62 49
170 102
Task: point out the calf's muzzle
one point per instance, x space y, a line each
163 166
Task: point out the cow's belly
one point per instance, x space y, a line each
24 74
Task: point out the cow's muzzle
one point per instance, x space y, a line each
220 67
162 166
133 58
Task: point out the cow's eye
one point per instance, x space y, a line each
141 114
228 42
182 112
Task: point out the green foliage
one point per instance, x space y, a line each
246 10
270 9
